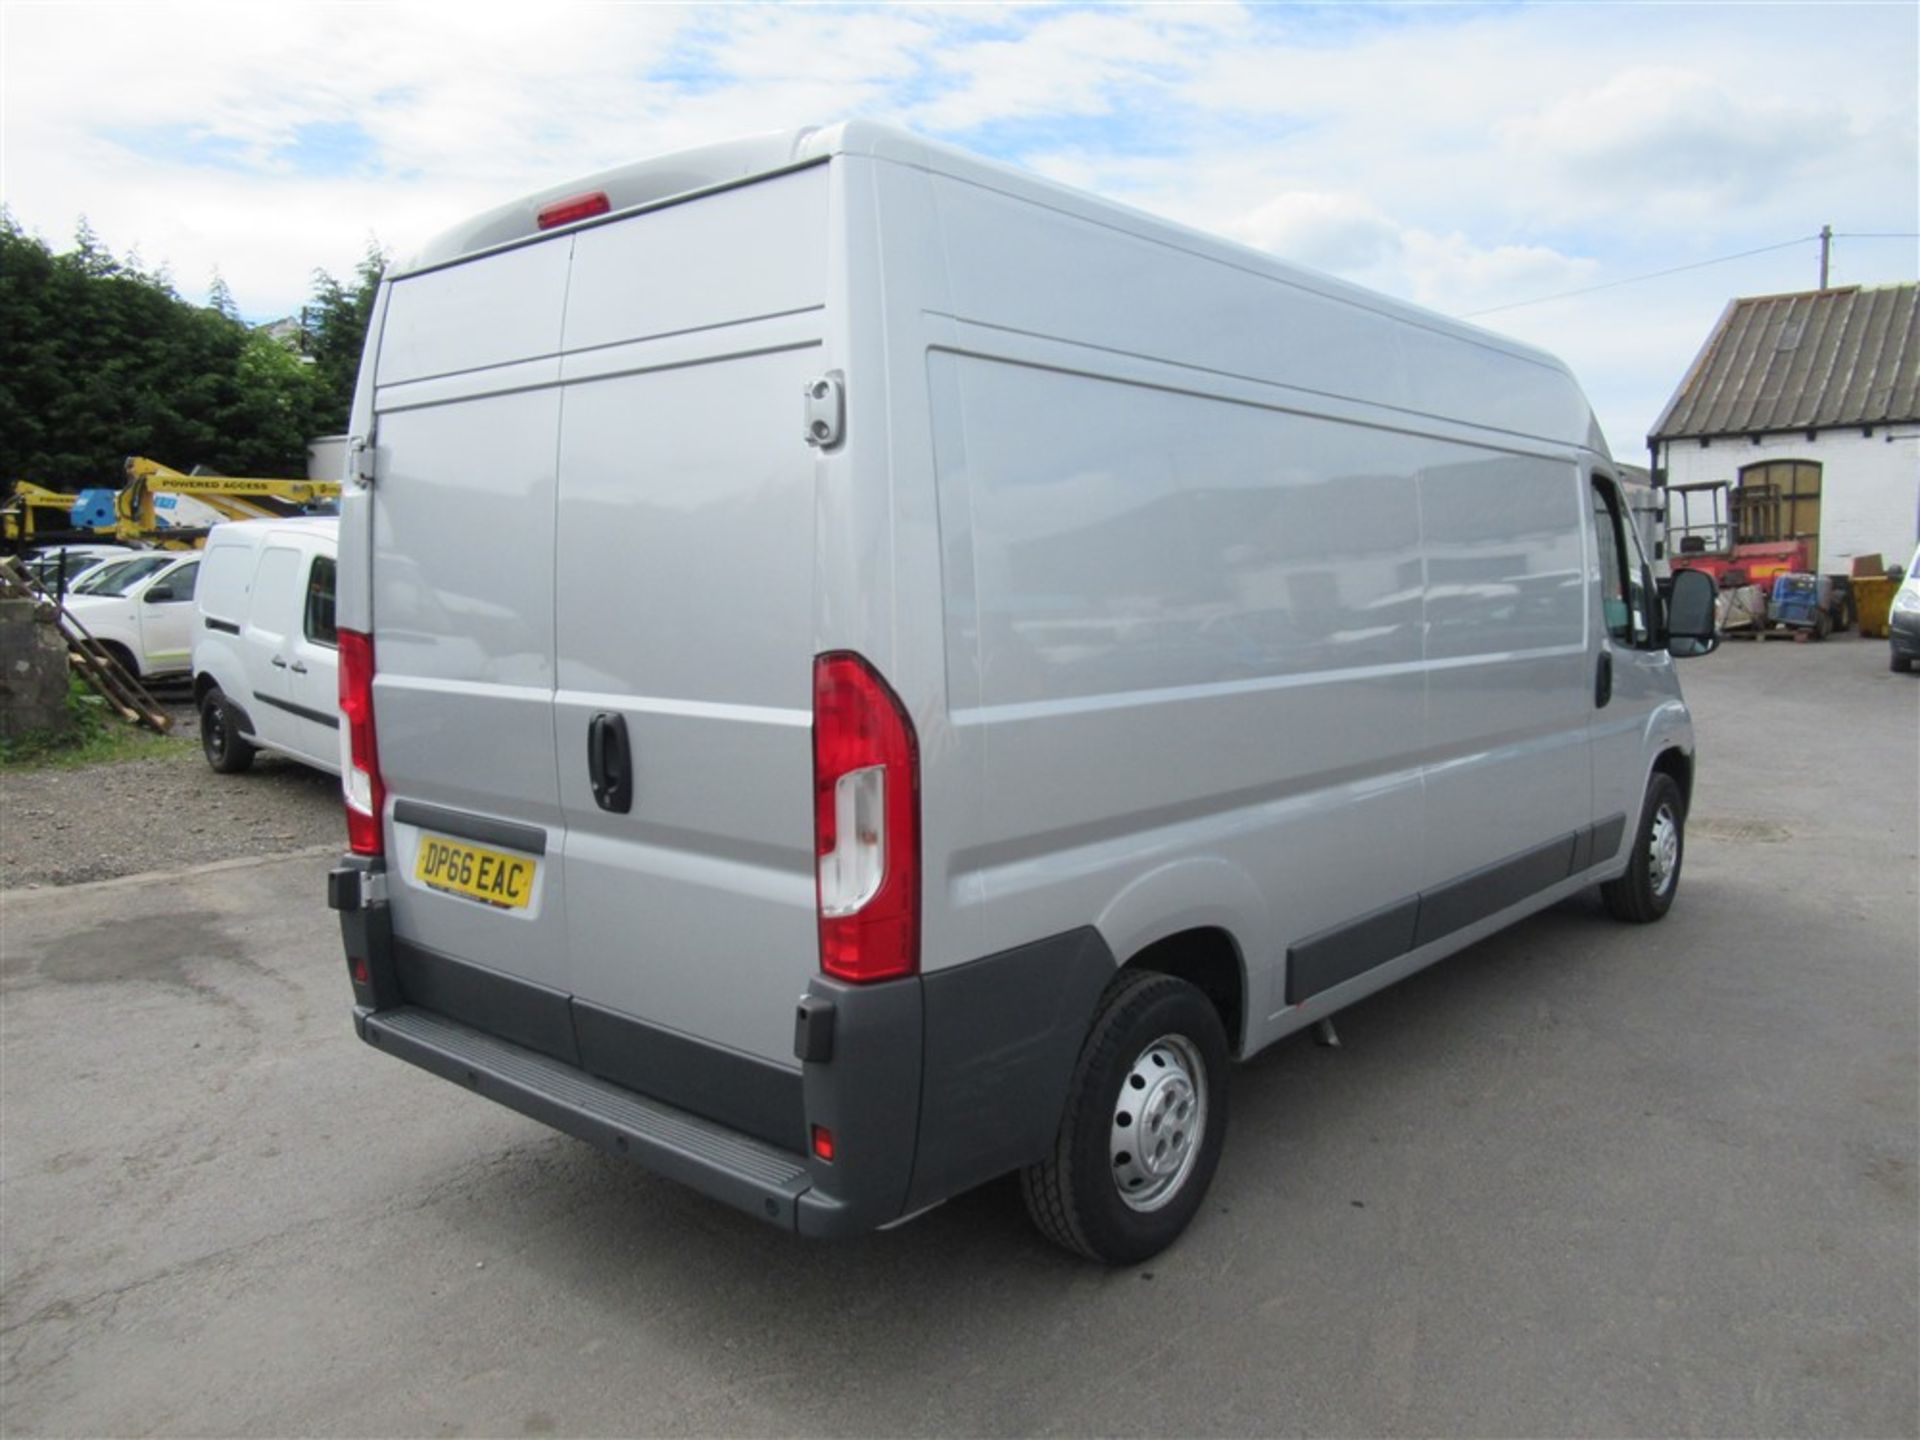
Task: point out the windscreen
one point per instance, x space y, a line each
122 576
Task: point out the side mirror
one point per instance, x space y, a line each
1690 619
158 594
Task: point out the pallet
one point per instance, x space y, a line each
1772 632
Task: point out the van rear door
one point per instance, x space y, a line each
683 609
468 416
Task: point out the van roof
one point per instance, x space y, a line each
322 527
667 179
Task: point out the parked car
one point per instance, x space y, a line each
265 659
910 699
141 609
1903 620
44 566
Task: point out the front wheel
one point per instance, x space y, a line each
220 739
1646 891
1145 1119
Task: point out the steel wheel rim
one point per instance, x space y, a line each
213 729
1663 850
1159 1120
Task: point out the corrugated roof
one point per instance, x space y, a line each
1811 361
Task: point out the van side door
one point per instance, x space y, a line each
313 667
1632 672
264 642
1508 777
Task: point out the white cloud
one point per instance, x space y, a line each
1077 63
1462 158
1341 232
1675 135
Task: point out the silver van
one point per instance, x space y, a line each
864 671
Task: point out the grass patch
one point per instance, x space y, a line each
97 737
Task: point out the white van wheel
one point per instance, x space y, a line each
220 739
1145 1119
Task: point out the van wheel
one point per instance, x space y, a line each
220 738
1900 664
1646 891
1145 1119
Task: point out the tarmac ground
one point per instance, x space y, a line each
1582 1178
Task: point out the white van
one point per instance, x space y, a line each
266 672
865 671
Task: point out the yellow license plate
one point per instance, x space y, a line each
478 873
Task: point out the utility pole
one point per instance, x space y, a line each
1826 252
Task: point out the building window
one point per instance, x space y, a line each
1778 500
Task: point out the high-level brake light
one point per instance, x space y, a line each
360 781
574 207
866 822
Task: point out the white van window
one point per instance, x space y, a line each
319 622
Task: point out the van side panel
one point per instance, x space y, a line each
1510 676
1212 314
1194 627
1245 578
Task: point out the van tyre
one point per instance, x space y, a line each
1646 891
220 739
1145 1118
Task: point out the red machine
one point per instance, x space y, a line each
1732 534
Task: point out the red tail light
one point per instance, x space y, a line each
866 823
574 207
360 781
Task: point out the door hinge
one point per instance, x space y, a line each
361 454
826 410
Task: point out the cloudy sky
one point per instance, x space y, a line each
1468 157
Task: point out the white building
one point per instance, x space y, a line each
1807 408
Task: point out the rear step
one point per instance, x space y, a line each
749 1174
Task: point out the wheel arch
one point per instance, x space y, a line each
1199 919
1677 764
124 655
1208 958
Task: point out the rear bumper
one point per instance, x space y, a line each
929 1085
748 1174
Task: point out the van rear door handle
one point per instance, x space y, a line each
297 668
1603 680
610 763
